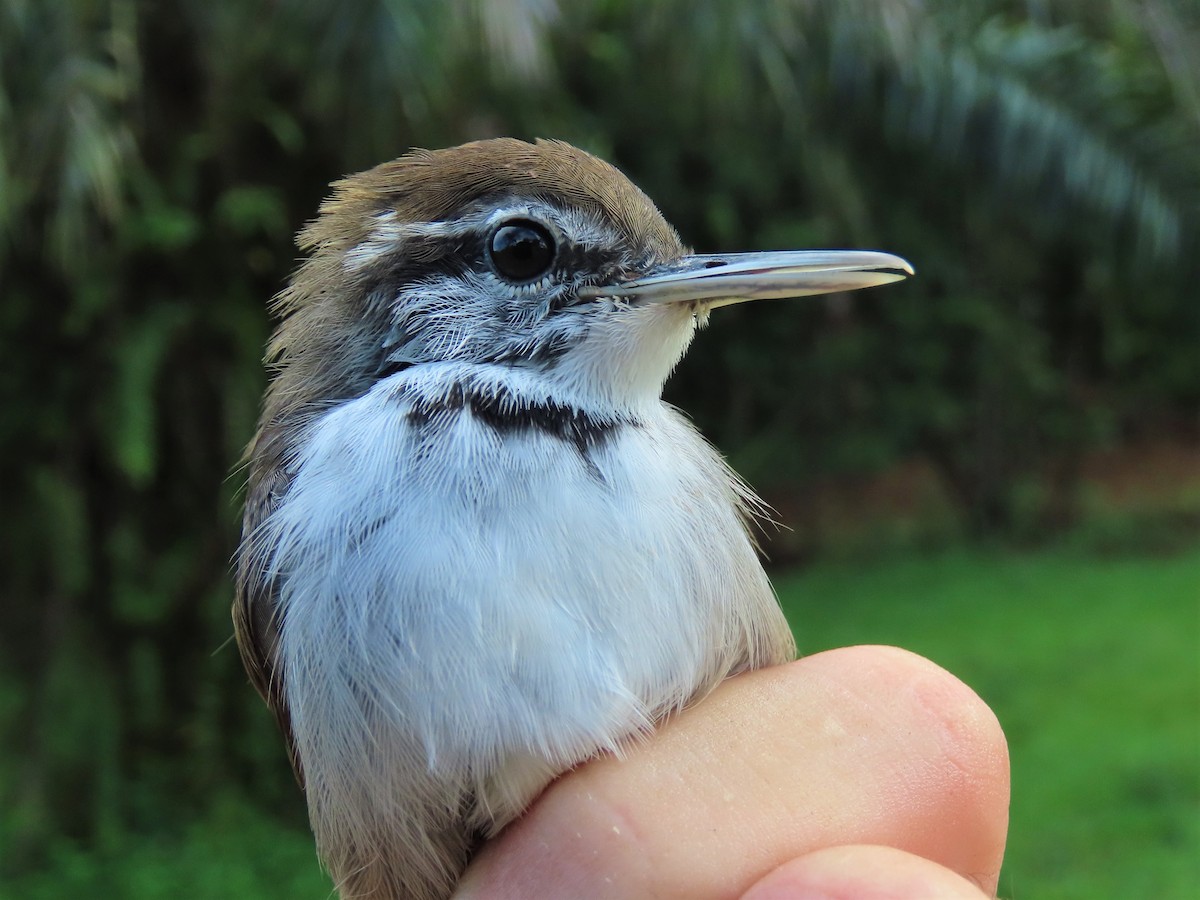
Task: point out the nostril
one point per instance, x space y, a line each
714 263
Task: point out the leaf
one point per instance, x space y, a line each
133 414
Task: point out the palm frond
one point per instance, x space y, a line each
1038 109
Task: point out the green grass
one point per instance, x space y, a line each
235 852
1092 665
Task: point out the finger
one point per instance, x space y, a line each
864 745
863 872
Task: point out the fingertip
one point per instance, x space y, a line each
863 872
964 771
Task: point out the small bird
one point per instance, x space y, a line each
478 547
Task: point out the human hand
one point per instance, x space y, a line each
859 772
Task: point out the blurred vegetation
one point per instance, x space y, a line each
1037 161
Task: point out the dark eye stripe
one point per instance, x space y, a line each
528 253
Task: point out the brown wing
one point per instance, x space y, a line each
256 613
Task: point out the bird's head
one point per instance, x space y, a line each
537 257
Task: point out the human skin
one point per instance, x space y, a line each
858 772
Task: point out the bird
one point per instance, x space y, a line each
478 546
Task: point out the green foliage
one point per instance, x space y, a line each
1038 168
232 850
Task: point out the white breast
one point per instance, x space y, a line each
456 599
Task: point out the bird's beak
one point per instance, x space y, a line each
722 279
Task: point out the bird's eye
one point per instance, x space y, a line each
521 250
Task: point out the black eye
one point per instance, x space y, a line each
521 250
